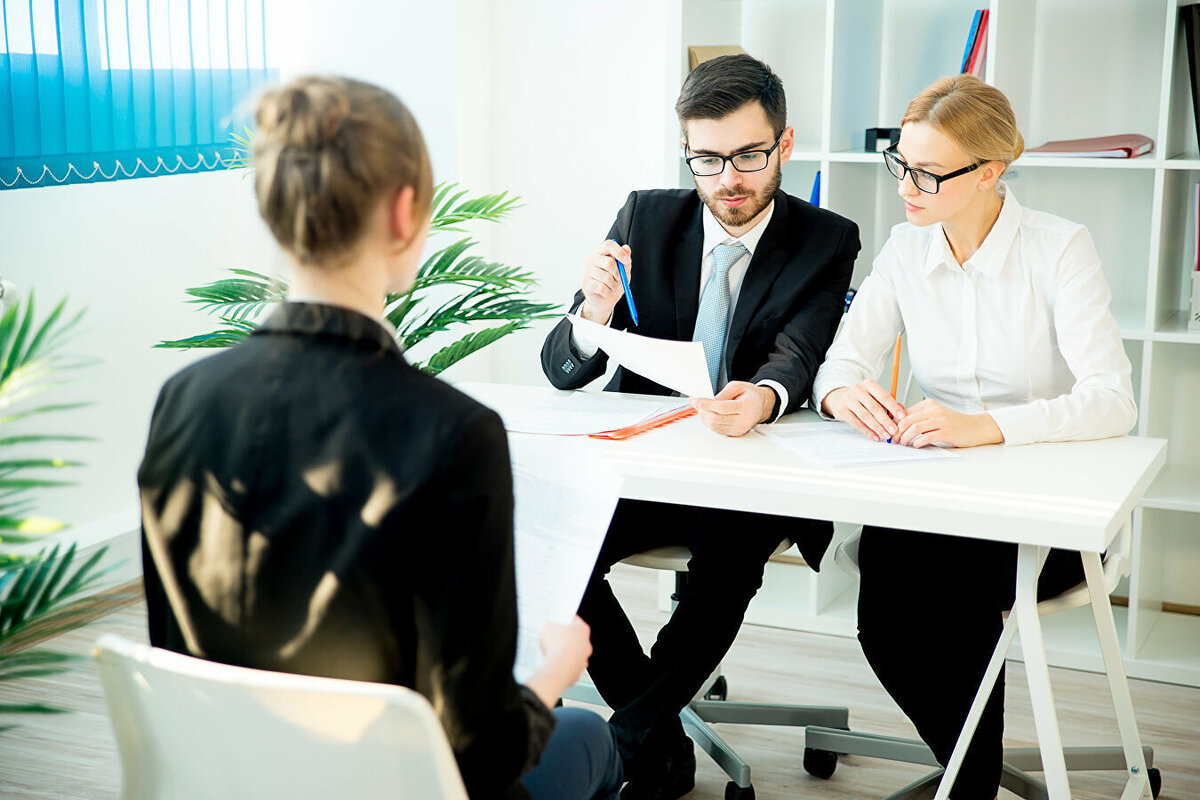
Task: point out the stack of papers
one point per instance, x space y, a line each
581 413
837 444
564 502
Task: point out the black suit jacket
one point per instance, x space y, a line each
792 296
313 504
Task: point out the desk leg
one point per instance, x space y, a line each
1138 784
1054 766
977 705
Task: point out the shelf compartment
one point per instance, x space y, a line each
865 193
877 69
1175 329
1100 200
1076 70
1172 410
1177 488
1180 140
1176 256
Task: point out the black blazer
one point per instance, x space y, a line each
791 299
313 504
788 309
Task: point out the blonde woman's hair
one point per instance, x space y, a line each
326 152
976 116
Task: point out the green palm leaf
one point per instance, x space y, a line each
453 288
452 354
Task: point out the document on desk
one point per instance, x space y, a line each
679 366
564 502
837 444
578 413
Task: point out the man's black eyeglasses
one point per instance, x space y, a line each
745 161
925 181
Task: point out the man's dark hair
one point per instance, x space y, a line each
720 86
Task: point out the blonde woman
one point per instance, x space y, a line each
1011 340
311 503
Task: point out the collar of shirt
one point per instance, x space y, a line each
309 318
989 258
714 234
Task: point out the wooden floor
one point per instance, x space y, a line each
73 756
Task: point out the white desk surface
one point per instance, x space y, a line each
1073 495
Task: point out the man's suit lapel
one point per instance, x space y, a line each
769 259
687 277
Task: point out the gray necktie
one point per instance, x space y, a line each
713 317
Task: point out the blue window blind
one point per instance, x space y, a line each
100 90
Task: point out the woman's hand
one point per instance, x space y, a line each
565 653
929 421
868 407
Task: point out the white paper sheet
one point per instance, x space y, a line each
582 412
677 365
837 444
564 502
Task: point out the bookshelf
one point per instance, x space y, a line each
1071 70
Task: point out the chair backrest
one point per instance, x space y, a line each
190 729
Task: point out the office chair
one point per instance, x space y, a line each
710 706
190 729
824 744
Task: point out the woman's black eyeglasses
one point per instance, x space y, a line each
925 181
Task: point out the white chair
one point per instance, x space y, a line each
711 706
190 729
823 745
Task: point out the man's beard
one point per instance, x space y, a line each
737 217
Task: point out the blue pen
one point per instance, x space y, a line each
625 285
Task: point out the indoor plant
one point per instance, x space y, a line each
43 593
454 291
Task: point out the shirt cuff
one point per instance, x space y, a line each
584 347
1018 424
780 393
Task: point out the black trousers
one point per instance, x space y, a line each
929 617
647 692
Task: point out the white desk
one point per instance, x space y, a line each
1073 495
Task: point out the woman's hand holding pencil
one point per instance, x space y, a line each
868 407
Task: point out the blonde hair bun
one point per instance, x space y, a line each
326 153
303 115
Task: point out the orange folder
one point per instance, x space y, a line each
665 418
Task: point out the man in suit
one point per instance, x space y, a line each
760 278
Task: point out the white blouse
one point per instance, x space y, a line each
1021 331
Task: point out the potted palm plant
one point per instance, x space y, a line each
455 291
43 593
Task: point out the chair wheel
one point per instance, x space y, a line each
820 763
735 792
1155 781
719 690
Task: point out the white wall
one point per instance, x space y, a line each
125 250
568 83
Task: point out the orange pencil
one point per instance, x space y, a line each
896 366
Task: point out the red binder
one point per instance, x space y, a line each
1126 145
666 418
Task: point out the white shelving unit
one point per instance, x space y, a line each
1071 70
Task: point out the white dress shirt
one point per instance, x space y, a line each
714 235
1021 331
